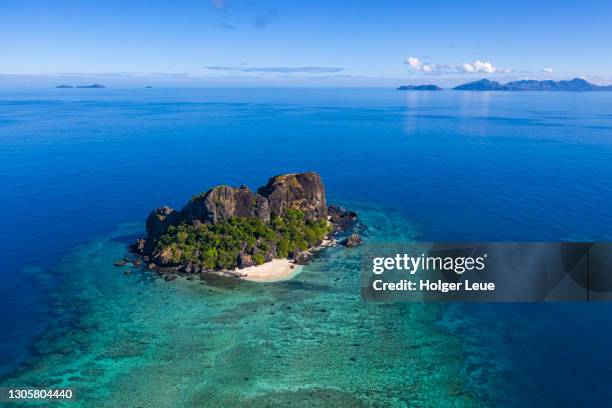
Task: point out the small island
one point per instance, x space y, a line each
261 236
419 88
92 86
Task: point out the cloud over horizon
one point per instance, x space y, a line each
465 68
486 67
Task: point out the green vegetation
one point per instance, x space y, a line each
217 246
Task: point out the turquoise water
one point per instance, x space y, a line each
81 169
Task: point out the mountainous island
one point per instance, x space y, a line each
574 85
419 88
235 230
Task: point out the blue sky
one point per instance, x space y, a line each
226 42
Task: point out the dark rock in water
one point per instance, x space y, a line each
120 263
167 270
302 191
341 218
127 272
352 241
170 277
159 220
302 258
139 246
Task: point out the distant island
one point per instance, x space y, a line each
574 85
255 235
92 86
419 88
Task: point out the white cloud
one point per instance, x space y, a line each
427 68
548 70
483 66
466 68
418 65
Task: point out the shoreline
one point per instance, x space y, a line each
276 270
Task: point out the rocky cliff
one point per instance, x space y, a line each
301 191
223 202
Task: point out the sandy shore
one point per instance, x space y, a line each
273 271
276 270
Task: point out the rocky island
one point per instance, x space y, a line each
419 88
259 235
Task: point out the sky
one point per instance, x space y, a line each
302 43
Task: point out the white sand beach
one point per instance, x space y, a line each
273 271
276 270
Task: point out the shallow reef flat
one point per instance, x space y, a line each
137 340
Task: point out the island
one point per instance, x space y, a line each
64 86
419 88
92 86
574 85
262 236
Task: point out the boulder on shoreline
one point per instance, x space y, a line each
352 241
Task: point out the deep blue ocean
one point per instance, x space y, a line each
491 166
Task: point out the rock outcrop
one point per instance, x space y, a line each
223 202
341 218
352 241
159 220
302 191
